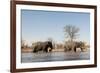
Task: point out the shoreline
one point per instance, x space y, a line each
30 50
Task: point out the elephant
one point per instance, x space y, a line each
43 46
75 46
80 45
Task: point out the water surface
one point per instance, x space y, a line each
54 56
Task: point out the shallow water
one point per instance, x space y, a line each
54 56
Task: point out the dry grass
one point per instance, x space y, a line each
26 50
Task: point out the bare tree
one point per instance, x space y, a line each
71 33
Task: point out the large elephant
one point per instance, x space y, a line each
43 46
74 46
80 45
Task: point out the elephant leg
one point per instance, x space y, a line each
69 49
74 49
46 50
34 51
82 49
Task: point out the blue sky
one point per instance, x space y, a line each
41 25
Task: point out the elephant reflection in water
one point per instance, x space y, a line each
43 46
